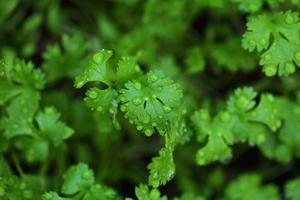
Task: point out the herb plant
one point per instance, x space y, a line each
149 100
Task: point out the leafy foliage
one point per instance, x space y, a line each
149 100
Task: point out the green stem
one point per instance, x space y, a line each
17 164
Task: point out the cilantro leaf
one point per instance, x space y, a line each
142 192
162 168
276 35
77 178
292 189
249 187
96 71
50 126
148 102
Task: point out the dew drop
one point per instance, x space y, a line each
148 132
137 101
167 109
260 138
252 43
153 77
138 85
123 108
92 94
122 98
270 70
139 127
263 41
146 119
297 56
87 175
290 68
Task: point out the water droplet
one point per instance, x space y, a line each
184 111
98 57
92 94
122 98
153 77
138 85
123 108
260 138
263 41
289 19
154 124
99 108
154 96
87 175
148 132
139 127
137 101
131 121
290 68
252 43
167 109
146 119
297 56
270 70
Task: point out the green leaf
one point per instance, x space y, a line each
77 178
51 196
249 187
195 60
102 100
162 168
151 101
50 126
66 61
143 193
96 71
20 114
292 189
100 192
127 69
281 53
249 5
267 112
